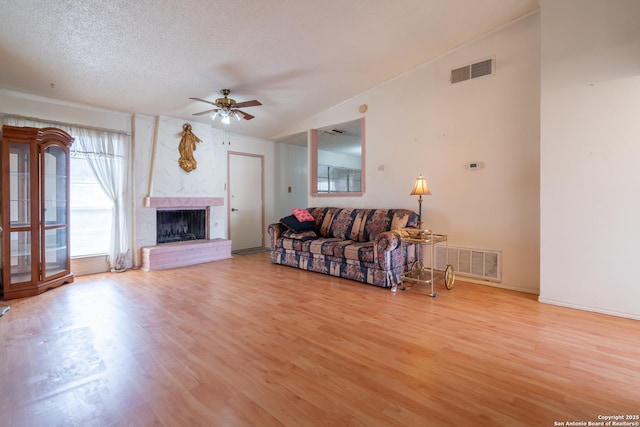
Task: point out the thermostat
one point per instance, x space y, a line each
474 165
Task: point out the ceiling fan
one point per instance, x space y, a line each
227 107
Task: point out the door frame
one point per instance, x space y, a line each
262 210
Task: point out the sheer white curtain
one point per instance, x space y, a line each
108 155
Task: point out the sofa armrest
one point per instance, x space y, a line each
387 241
384 246
275 231
389 252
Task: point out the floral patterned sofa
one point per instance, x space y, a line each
355 244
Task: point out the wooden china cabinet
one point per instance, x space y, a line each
35 210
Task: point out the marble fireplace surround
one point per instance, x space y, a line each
182 202
180 254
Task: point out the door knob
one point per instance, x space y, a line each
234 210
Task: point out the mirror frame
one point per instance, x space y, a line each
313 166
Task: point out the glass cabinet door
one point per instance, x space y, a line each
21 259
54 211
55 186
21 266
20 184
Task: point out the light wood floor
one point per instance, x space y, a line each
242 342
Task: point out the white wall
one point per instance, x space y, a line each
60 111
291 172
419 123
590 146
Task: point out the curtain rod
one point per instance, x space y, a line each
54 122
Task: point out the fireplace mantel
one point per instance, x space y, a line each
182 202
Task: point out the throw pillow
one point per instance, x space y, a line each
292 223
303 215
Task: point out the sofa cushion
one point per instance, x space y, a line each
292 223
302 215
298 245
342 223
344 250
328 246
326 219
359 223
360 251
403 218
304 235
380 220
318 214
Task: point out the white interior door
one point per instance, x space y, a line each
246 201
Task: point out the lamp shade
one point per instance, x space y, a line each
420 188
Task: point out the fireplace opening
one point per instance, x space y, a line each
181 225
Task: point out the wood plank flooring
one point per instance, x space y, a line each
242 342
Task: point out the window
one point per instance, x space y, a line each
91 211
333 179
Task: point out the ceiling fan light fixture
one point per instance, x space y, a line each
227 108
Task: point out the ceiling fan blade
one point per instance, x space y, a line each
253 103
246 116
204 100
205 112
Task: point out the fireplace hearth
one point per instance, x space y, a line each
179 225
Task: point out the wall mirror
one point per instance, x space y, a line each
337 159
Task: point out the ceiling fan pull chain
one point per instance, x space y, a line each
226 134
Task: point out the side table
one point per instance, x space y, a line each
419 273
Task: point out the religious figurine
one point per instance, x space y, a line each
187 147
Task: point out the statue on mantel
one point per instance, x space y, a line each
187 147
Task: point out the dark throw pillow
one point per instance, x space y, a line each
292 223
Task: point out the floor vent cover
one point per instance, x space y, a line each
477 263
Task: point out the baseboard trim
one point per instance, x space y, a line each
93 264
589 308
496 285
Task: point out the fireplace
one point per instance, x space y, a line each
179 225
179 220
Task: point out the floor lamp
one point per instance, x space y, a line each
420 188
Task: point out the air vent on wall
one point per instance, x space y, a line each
472 71
476 263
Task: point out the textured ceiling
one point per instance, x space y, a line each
298 57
